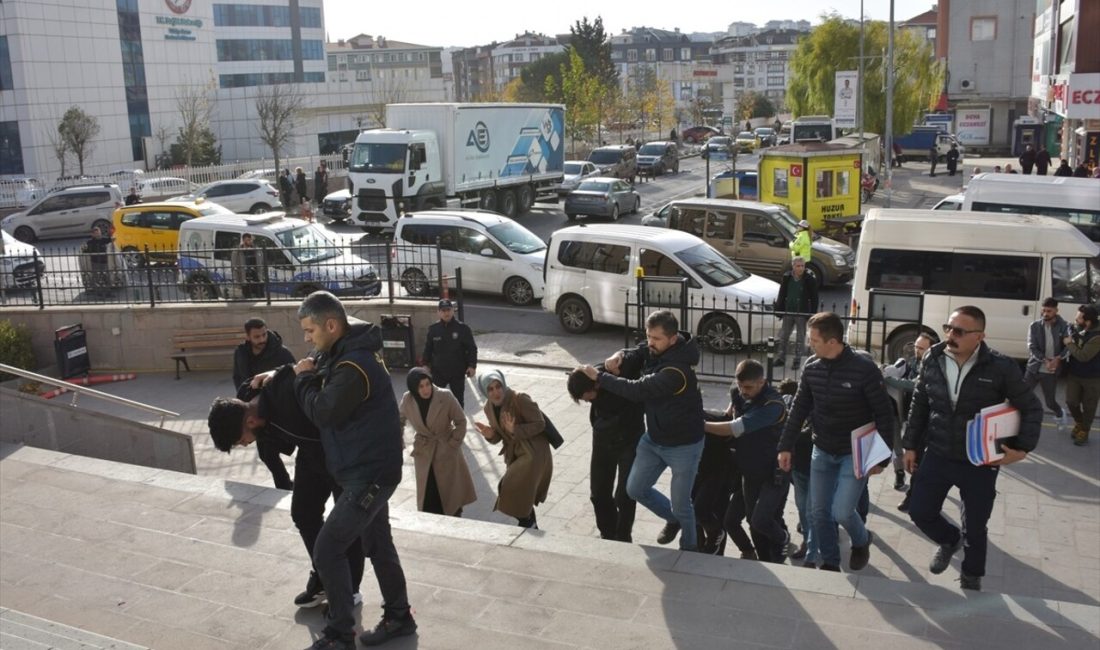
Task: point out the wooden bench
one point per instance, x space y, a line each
209 342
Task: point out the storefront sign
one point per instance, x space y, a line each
973 126
1082 96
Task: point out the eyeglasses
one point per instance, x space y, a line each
958 331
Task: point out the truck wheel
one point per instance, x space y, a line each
574 315
506 203
525 198
489 200
519 292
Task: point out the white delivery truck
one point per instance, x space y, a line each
499 157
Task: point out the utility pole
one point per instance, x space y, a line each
890 105
859 108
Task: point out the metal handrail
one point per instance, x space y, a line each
79 390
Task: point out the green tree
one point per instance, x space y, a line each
834 45
591 43
643 88
752 104
78 129
202 150
534 76
579 91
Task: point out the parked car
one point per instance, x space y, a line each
745 141
266 174
337 205
17 192
18 264
657 158
618 160
69 212
496 255
575 172
765 136
784 136
950 202
165 186
698 134
719 147
155 226
240 196
602 197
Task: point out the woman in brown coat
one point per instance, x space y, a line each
516 422
443 483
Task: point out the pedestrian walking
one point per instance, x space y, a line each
796 302
896 147
959 377
320 181
673 403
443 481
245 262
952 157
1063 169
800 480
1046 353
901 380
269 415
1042 161
346 392
1027 159
132 198
1083 371
286 187
1081 171
300 185
840 391
98 247
933 158
516 423
617 425
450 352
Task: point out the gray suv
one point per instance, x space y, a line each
70 212
657 158
618 160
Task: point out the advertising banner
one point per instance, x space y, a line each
846 99
973 126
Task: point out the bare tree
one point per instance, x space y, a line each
59 147
78 129
385 89
162 135
278 109
195 105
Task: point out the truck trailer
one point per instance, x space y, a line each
916 144
499 157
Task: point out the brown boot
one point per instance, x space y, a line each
1080 436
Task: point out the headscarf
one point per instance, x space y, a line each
415 376
487 377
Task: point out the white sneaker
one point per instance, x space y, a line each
1062 421
356 599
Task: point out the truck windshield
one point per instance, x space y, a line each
378 158
711 265
308 244
516 238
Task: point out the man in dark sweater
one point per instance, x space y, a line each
796 301
673 405
450 351
841 391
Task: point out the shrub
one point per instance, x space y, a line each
15 347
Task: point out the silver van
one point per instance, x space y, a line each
71 212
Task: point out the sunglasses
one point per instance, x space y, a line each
958 331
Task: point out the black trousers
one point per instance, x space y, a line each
312 488
456 384
764 500
977 488
608 471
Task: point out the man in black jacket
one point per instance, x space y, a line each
841 391
958 378
673 406
450 351
617 424
271 417
346 392
796 301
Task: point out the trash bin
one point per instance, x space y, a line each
71 347
397 341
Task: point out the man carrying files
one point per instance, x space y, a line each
960 377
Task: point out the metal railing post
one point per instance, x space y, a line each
37 282
264 274
458 294
149 278
389 269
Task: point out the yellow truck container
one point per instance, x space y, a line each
818 182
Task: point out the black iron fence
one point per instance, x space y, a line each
154 275
729 331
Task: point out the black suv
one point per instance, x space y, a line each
618 160
656 158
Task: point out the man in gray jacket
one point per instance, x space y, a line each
1046 354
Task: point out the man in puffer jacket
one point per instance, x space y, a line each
841 391
958 378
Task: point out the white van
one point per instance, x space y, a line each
592 271
1076 200
298 256
917 266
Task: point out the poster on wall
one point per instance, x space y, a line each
847 95
973 126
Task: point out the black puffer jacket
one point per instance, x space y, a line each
839 395
935 424
247 365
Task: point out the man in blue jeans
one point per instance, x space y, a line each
840 391
674 421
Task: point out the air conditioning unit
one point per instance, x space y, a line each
967 85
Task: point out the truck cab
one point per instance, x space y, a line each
391 172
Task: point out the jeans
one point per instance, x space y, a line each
347 521
798 324
977 488
1048 381
834 496
614 509
801 482
649 463
456 384
312 487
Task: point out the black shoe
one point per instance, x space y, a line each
668 533
899 480
314 594
904 505
389 628
973 583
810 564
861 555
830 567
326 642
800 553
942 559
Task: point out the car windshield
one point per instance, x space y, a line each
745 135
786 221
309 244
605 156
711 265
765 131
594 186
378 158
652 150
516 238
211 209
573 169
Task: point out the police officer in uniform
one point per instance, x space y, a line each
450 351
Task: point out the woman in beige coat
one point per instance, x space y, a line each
516 422
443 483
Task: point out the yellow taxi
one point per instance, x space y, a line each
745 141
155 227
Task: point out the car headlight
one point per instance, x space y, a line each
839 260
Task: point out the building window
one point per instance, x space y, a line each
775 67
266 79
775 80
632 55
133 76
11 151
5 65
518 58
685 53
666 54
228 15
651 54
616 55
362 75
983 28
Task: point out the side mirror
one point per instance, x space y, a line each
487 252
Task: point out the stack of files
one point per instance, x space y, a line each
868 449
988 427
